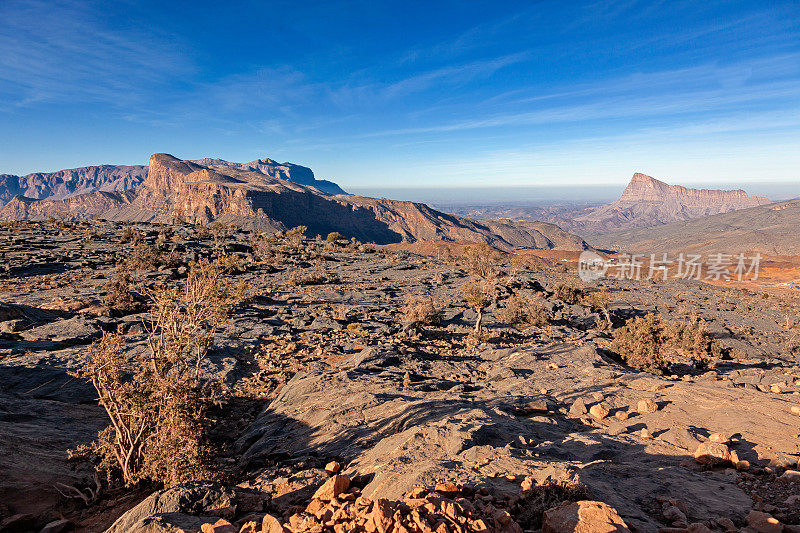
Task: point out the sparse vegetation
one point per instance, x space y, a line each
569 294
479 295
525 310
422 311
651 343
481 260
157 400
600 301
539 498
333 236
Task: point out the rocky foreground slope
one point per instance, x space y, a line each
177 190
340 415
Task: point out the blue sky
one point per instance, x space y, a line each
409 94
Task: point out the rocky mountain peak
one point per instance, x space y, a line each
644 188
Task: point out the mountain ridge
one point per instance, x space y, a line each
178 190
115 178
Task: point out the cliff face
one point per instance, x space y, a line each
643 188
286 171
647 202
111 178
188 191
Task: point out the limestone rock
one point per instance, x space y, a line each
583 517
712 453
646 406
763 522
332 488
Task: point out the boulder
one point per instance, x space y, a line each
712 453
646 406
332 488
199 498
764 522
583 517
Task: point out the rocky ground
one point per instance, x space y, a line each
340 415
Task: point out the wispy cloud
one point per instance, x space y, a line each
63 51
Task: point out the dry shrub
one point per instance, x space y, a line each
600 301
525 310
295 236
541 498
333 236
143 257
315 277
650 343
569 294
479 294
156 400
120 294
481 260
130 235
418 310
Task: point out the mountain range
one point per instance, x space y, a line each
647 202
243 194
114 178
769 229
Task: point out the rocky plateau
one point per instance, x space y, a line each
341 414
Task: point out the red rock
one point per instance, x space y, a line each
583 517
646 406
250 527
764 522
381 516
599 411
712 453
220 526
270 524
332 488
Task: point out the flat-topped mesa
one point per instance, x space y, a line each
644 188
167 173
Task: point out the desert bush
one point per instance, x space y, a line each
419 310
600 301
569 294
315 277
295 235
478 294
481 260
120 292
525 310
130 235
540 498
649 343
143 257
156 400
333 236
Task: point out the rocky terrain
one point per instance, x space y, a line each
177 190
768 229
341 413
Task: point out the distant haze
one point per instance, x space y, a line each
583 194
